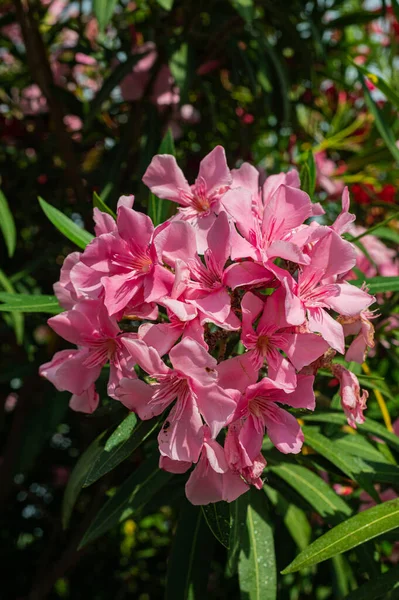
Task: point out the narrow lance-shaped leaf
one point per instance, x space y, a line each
238 513
103 9
217 516
351 466
122 443
384 129
78 476
294 517
132 495
190 558
378 587
257 561
378 285
100 204
7 225
66 226
16 319
349 534
35 303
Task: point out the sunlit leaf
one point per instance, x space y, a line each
66 226
35 303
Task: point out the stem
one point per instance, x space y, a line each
380 400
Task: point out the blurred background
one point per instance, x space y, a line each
88 90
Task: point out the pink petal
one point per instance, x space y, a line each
214 170
332 254
345 218
74 326
321 322
145 356
281 370
286 210
157 284
66 371
182 438
246 176
303 348
283 430
173 466
287 251
165 178
120 290
191 359
176 241
357 350
104 223
218 239
246 273
215 305
351 300
86 402
161 336
134 226
237 372
215 405
238 204
303 396
136 396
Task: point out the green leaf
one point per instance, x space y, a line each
178 65
132 495
374 228
356 444
386 233
369 426
190 559
308 174
16 319
217 516
100 204
351 466
35 303
166 4
384 129
294 517
379 285
104 9
158 210
378 587
354 18
257 561
238 512
316 492
245 9
122 443
382 85
7 225
349 534
77 478
75 234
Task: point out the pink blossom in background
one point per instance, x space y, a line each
326 171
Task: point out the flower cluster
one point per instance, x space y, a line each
216 319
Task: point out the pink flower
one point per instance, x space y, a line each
353 399
257 411
265 343
326 169
315 291
361 327
192 382
200 202
100 341
124 263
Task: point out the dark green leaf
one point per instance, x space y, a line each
308 174
122 443
100 204
217 516
7 225
294 517
354 18
75 234
257 561
166 4
378 285
378 587
132 495
29 303
349 534
104 9
238 513
351 466
369 426
316 492
190 559
384 128
179 68
245 9
78 477
16 319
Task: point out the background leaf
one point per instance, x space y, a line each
76 234
7 225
